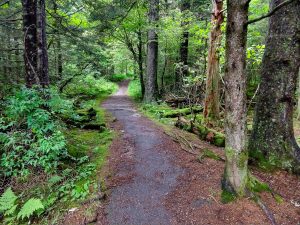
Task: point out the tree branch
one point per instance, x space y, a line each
3 3
271 12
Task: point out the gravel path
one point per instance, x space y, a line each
145 170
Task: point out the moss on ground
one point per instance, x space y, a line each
209 154
227 197
257 186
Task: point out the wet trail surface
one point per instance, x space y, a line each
146 171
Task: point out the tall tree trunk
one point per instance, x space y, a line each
162 88
182 70
236 173
272 143
59 58
212 96
151 88
30 37
140 62
42 45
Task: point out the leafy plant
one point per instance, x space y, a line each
29 208
13 211
30 136
90 86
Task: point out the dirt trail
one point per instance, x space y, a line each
152 181
145 173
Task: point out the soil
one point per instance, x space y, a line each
153 181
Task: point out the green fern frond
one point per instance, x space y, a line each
7 200
29 208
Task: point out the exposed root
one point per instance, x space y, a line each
184 143
266 210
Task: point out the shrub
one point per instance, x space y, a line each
119 77
134 90
91 87
30 136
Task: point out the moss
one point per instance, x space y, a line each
227 197
271 161
177 112
219 139
255 185
242 159
278 198
209 154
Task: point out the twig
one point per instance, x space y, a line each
257 89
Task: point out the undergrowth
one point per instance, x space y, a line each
134 90
46 165
120 77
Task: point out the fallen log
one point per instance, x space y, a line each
181 112
204 133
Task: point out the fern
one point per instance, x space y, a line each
30 207
7 201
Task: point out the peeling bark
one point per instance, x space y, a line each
212 96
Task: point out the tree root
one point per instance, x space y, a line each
184 143
265 209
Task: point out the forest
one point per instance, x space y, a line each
157 112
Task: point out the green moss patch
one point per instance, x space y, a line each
227 197
209 154
257 186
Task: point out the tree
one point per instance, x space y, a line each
151 87
272 143
30 41
35 51
182 69
212 95
42 45
236 173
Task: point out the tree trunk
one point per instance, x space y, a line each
59 63
151 89
182 70
212 96
236 173
30 37
140 62
272 144
42 45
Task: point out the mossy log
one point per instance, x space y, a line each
176 101
86 120
181 112
207 134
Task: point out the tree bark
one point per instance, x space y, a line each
151 88
236 173
58 52
30 40
140 62
212 96
42 45
182 70
272 143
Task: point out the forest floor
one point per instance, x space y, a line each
152 180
